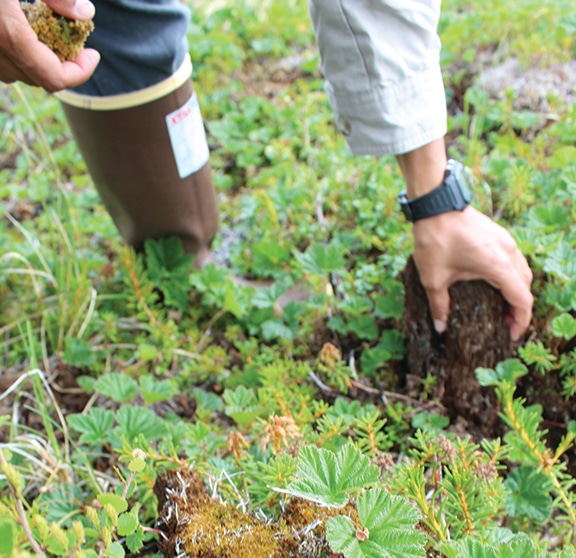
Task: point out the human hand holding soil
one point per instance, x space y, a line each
23 57
467 245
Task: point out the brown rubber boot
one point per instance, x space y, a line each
147 155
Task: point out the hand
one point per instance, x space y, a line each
24 58
466 245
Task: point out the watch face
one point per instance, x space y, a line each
464 179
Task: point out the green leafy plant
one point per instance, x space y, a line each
386 528
331 478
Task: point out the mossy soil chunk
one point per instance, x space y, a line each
477 335
65 37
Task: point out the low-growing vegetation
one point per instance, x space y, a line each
149 409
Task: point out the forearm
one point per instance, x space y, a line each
423 168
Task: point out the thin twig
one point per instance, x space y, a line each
320 383
207 329
157 531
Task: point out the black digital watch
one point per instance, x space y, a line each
454 194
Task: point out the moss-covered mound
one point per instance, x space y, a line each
199 526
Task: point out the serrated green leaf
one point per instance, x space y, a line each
275 329
117 502
240 397
207 400
136 421
135 540
388 523
118 387
431 422
511 370
564 326
467 548
154 390
391 305
266 297
94 426
329 478
520 547
269 254
321 259
341 534
349 411
516 546
236 299
244 417
86 383
242 405
364 327
384 514
528 494
127 524
392 340
506 371
168 267
166 257
61 504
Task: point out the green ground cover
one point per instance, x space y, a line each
115 367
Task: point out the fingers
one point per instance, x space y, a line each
439 302
78 71
514 283
82 10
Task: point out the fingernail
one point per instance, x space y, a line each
440 326
85 9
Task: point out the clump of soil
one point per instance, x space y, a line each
477 335
64 36
198 526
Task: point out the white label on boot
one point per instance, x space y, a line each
188 137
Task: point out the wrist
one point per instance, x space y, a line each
423 169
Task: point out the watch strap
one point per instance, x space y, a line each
437 201
453 194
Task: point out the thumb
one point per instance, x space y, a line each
82 10
439 302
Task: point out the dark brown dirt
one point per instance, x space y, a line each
477 335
